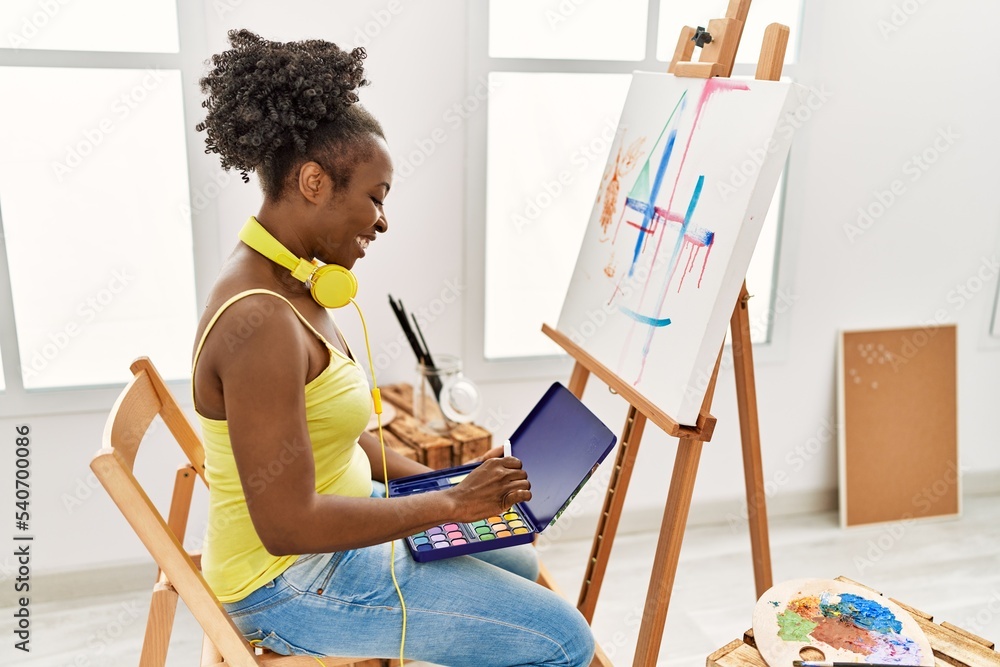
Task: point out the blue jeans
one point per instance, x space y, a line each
483 610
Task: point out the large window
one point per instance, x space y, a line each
558 74
97 265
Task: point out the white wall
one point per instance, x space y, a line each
889 97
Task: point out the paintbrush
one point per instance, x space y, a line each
418 352
820 663
397 309
428 361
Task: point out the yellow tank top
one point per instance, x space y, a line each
338 405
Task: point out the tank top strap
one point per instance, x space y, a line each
230 301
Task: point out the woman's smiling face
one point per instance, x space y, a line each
353 215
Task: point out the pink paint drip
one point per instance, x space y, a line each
708 251
696 247
712 86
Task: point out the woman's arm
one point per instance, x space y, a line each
263 379
396 464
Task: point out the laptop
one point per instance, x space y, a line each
560 444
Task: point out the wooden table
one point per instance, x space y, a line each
953 646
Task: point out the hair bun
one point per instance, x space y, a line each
264 96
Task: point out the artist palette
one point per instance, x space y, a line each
560 444
830 620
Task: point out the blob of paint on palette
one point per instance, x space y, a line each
840 620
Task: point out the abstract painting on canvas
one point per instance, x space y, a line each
691 172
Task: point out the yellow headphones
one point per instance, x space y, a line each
331 286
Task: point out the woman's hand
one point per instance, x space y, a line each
494 453
491 488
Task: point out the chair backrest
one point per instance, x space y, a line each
145 397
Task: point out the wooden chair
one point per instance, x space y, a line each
145 397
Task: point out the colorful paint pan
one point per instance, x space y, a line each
504 526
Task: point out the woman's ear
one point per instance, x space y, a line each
312 181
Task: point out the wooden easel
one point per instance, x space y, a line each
717 58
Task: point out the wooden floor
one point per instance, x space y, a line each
949 568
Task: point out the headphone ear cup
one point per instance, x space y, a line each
333 286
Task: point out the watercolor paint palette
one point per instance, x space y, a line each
843 621
560 444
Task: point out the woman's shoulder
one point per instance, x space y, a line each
244 310
241 291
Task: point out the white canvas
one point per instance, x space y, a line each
684 194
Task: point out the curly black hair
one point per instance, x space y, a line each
273 106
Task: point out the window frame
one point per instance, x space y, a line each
480 65
15 400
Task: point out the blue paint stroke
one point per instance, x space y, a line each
647 216
864 613
637 204
702 236
695 196
645 319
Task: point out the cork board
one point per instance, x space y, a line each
898 411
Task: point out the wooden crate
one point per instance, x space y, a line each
402 448
461 444
432 450
953 647
401 396
469 441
